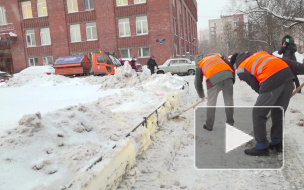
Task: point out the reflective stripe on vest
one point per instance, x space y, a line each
213 64
258 61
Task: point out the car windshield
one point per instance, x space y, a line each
115 61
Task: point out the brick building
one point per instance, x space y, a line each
37 32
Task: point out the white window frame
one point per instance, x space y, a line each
140 52
125 23
31 35
74 7
33 60
122 3
129 51
140 22
90 29
42 6
88 2
139 1
28 7
46 60
75 30
3 20
45 36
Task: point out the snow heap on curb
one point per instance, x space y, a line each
58 148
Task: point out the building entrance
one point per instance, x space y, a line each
6 61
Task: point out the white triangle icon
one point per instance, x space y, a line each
235 138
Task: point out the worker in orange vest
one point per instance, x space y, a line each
219 77
272 78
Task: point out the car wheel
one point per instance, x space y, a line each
191 72
160 72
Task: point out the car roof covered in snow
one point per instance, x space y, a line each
69 59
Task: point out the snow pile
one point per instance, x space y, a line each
39 70
52 149
22 79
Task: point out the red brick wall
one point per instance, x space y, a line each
17 48
106 26
106 14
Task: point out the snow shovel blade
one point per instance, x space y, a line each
174 115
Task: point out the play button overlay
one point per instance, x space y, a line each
235 138
223 147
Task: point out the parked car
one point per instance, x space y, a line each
177 66
137 64
39 70
4 76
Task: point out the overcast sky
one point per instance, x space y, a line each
209 9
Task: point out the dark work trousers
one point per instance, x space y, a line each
296 81
277 97
226 86
152 70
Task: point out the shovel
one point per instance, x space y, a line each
293 93
174 115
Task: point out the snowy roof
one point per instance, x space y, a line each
69 60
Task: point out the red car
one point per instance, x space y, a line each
4 76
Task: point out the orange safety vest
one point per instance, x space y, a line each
262 65
213 64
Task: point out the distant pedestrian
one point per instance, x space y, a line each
121 62
132 63
152 64
288 50
219 75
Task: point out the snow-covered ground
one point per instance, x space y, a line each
53 127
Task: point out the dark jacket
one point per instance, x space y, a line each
151 64
289 50
213 80
271 82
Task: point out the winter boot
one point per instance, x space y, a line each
205 127
257 152
276 146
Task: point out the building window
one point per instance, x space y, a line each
41 6
30 38
124 27
48 60
91 31
72 6
45 36
75 33
139 1
88 5
33 62
27 9
144 52
121 2
3 20
126 53
141 25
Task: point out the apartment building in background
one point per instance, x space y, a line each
37 32
217 27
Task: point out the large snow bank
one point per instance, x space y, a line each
52 149
36 70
